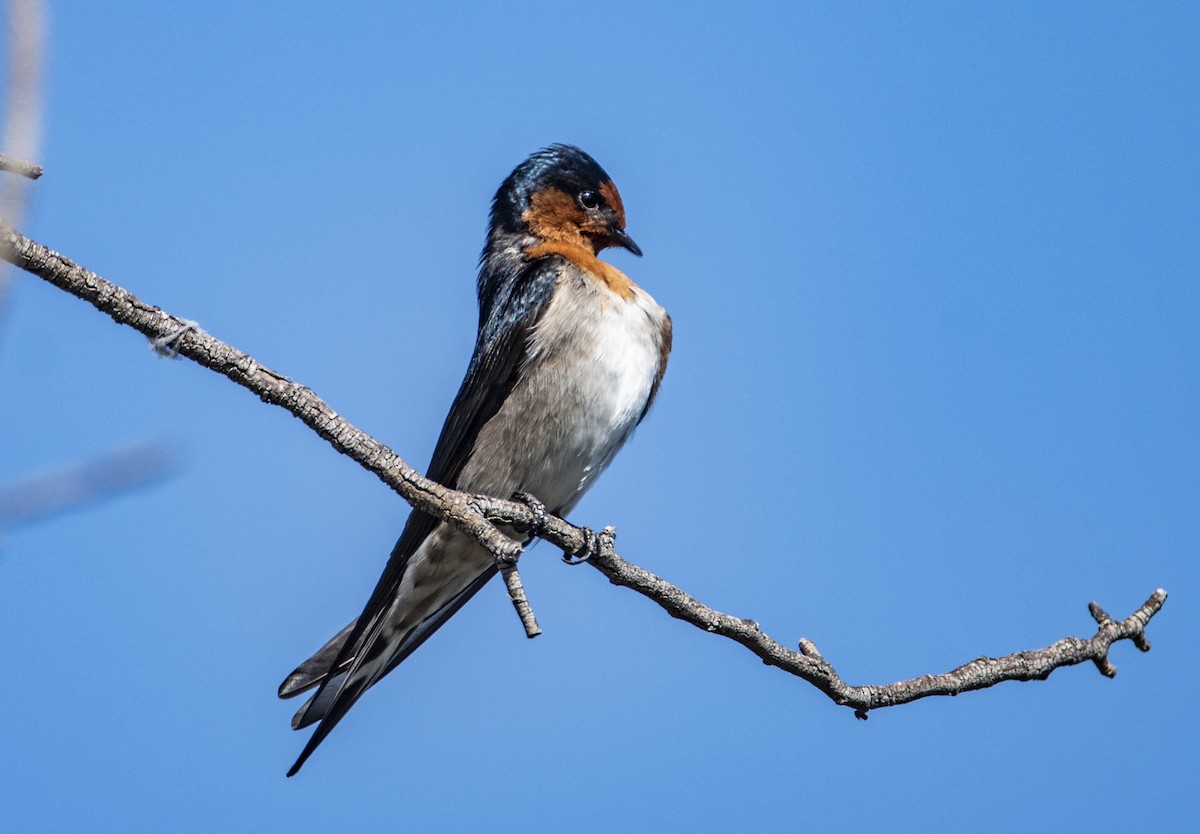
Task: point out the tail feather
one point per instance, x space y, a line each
318 705
360 670
318 667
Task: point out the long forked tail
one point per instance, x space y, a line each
358 670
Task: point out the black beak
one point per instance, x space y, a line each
620 238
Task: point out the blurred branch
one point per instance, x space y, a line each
47 493
479 515
22 110
20 167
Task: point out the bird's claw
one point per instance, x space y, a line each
591 541
592 544
537 508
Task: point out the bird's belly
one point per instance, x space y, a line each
587 380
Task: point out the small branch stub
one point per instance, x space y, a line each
516 592
508 564
21 167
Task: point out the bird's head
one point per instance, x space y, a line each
562 195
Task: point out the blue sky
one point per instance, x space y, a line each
933 272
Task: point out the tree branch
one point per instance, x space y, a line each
482 516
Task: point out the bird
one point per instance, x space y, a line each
569 356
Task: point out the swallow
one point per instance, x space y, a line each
568 358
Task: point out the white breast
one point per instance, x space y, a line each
623 350
591 366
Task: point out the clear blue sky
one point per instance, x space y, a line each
934 277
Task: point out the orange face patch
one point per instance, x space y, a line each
611 196
553 215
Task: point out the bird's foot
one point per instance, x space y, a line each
593 542
537 508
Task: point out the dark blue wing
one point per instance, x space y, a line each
495 366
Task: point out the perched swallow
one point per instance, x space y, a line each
568 359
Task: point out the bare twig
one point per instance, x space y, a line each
508 566
516 592
808 663
187 341
21 167
481 516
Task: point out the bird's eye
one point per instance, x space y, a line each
589 199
